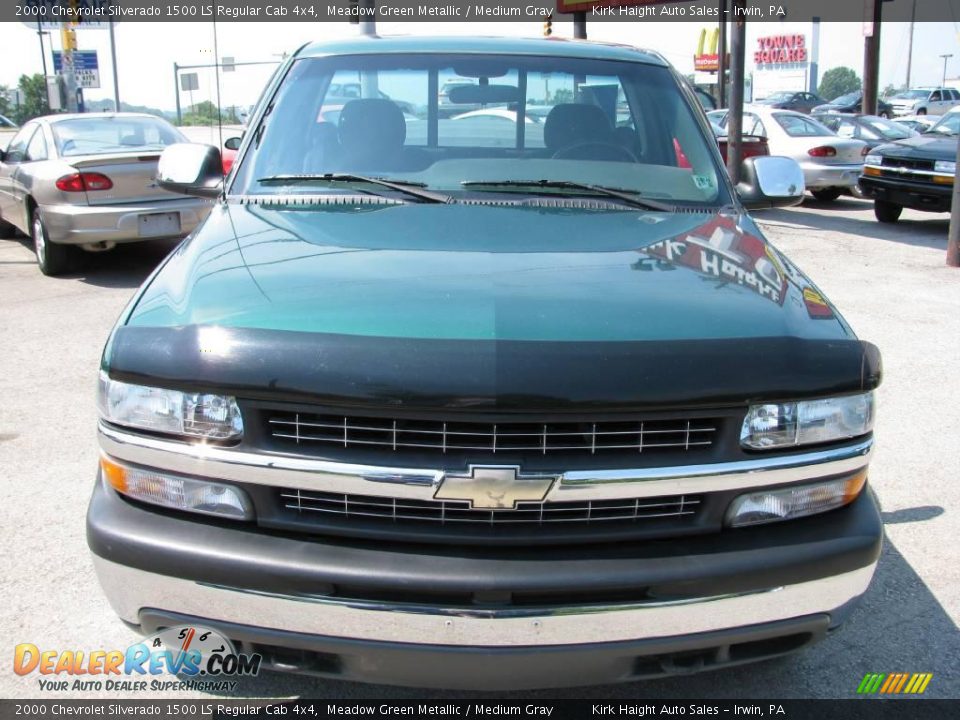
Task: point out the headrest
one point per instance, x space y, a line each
573 123
372 122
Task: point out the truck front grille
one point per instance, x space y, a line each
456 436
677 508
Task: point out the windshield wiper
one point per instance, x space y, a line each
628 196
413 189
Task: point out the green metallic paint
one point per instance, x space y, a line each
460 272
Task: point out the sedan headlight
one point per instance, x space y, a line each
945 166
873 160
193 415
783 425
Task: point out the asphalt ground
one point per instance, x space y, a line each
889 281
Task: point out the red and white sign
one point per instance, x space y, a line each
781 49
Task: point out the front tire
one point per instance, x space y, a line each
826 194
887 212
52 258
922 111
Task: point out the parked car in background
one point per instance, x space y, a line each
917 172
853 103
753 145
707 101
483 417
871 129
919 123
831 164
8 128
802 102
88 182
925 101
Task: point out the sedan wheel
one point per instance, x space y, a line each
922 111
826 194
52 258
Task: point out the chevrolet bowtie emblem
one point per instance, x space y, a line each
495 486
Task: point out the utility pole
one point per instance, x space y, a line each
722 55
68 39
738 48
116 72
945 58
580 25
913 18
176 92
953 234
871 55
43 53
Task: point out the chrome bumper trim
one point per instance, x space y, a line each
224 463
130 591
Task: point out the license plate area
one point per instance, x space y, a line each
157 224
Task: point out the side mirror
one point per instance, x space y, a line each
232 143
191 169
770 181
3 155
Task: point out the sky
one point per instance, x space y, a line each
146 52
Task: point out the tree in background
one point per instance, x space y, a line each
838 81
205 113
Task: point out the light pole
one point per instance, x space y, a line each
945 57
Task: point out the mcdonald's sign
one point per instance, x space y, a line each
707 58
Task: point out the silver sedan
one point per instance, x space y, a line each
88 182
831 164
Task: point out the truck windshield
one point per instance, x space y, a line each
466 124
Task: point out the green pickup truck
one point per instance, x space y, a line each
484 402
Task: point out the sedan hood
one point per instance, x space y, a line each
511 308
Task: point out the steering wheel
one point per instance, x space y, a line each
595 150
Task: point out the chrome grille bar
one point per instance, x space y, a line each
586 512
447 436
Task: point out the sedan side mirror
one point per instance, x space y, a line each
191 169
770 181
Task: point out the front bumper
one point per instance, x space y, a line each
817 176
710 600
85 224
932 198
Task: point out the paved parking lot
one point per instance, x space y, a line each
889 281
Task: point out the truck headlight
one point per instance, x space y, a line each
192 415
788 503
873 159
159 487
780 425
945 166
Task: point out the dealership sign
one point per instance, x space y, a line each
781 49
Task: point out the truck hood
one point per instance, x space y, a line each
505 308
929 146
484 273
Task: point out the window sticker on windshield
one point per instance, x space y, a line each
703 182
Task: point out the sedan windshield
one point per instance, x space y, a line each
801 126
469 125
112 134
912 95
948 125
887 129
846 99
